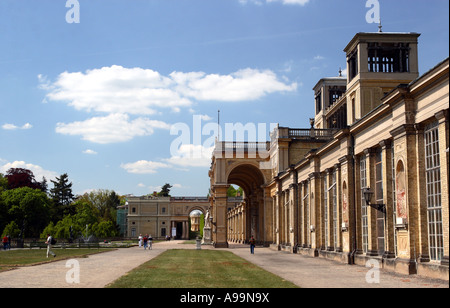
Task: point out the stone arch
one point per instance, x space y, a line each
251 179
246 175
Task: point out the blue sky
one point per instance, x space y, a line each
97 99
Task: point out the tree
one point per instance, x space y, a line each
3 182
12 229
165 190
233 192
104 201
19 177
62 196
29 208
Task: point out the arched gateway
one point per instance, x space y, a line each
242 164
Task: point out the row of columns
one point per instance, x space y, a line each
185 229
237 227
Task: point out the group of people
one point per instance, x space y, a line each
145 241
6 242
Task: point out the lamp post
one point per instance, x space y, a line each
368 194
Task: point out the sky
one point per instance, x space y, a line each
124 94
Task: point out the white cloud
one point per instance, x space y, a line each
115 89
90 152
113 128
140 91
190 155
144 167
119 92
244 85
38 171
8 126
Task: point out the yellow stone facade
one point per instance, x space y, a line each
162 216
383 127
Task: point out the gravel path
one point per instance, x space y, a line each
97 271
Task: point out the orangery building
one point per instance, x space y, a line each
368 180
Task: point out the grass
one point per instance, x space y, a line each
199 269
27 257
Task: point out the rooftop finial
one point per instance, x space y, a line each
380 27
340 72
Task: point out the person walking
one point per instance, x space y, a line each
252 245
5 242
140 240
145 241
50 242
150 240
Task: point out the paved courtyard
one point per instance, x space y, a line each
97 271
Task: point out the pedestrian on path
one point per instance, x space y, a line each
150 241
5 242
140 240
50 242
252 245
145 241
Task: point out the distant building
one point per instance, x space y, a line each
163 216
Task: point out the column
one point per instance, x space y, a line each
389 240
348 227
337 168
220 215
329 209
408 209
314 194
443 118
294 216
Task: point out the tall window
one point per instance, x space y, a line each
306 212
379 200
334 204
394 197
325 209
433 184
364 217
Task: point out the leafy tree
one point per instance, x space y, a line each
104 201
233 192
165 190
20 177
3 182
105 229
28 207
12 229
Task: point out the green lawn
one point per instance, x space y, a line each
26 257
199 269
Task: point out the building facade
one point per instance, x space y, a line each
368 181
167 216
163 216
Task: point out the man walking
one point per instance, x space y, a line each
252 245
49 243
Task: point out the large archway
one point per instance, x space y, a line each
249 220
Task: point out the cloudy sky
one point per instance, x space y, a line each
121 95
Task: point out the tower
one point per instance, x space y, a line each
377 63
